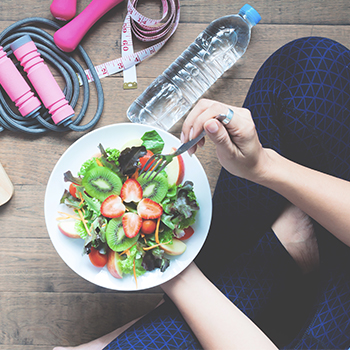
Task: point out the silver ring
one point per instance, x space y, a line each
226 118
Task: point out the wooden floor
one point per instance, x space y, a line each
42 302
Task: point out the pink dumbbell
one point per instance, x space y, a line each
63 10
42 79
69 36
16 87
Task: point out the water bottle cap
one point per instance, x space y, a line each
20 42
252 14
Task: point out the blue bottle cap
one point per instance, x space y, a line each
252 14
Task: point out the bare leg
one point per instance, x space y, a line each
295 231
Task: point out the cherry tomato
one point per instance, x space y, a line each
148 226
97 259
189 231
145 158
73 189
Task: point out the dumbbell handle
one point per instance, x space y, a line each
63 10
69 36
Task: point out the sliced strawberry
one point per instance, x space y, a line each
131 191
149 209
131 224
112 207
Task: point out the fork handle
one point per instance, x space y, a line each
186 146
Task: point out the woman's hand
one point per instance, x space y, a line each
237 144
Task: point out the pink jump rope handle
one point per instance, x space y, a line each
69 36
63 10
16 87
42 79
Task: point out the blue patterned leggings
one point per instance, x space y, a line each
300 102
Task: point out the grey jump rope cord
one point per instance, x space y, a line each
41 121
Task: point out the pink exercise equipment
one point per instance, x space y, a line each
69 36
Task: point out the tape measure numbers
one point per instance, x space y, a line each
146 30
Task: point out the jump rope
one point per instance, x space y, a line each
40 121
32 46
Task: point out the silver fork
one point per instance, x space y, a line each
158 162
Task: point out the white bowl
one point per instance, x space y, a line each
70 250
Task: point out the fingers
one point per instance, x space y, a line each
202 112
217 132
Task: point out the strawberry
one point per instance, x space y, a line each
112 207
131 224
131 191
149 209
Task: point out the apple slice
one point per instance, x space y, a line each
132 143
114 264
67 227
175 170
177 248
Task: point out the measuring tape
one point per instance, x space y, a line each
146 30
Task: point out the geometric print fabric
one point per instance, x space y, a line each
300 102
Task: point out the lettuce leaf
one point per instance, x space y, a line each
152 141
129 159
68 177
127 264
87 165
179 211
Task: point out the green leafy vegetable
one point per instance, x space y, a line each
127 264
129 159
80 228
153 141
68 177
179 211
87 165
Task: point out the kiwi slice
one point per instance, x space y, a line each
116 238
156 188
101 182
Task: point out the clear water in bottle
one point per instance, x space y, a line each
171 95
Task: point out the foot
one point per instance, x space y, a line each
295 231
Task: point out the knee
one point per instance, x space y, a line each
310 54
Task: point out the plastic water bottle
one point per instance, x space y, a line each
215 50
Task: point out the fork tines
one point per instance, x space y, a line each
155 165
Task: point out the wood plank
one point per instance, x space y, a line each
26 347
192 11
263 43
36 264
43 303
67 318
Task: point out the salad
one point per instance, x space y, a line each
129 222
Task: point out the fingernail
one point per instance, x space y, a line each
191 134
182 137
212 127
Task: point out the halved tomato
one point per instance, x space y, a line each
97 258
189 231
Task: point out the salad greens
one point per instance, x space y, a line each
178 208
